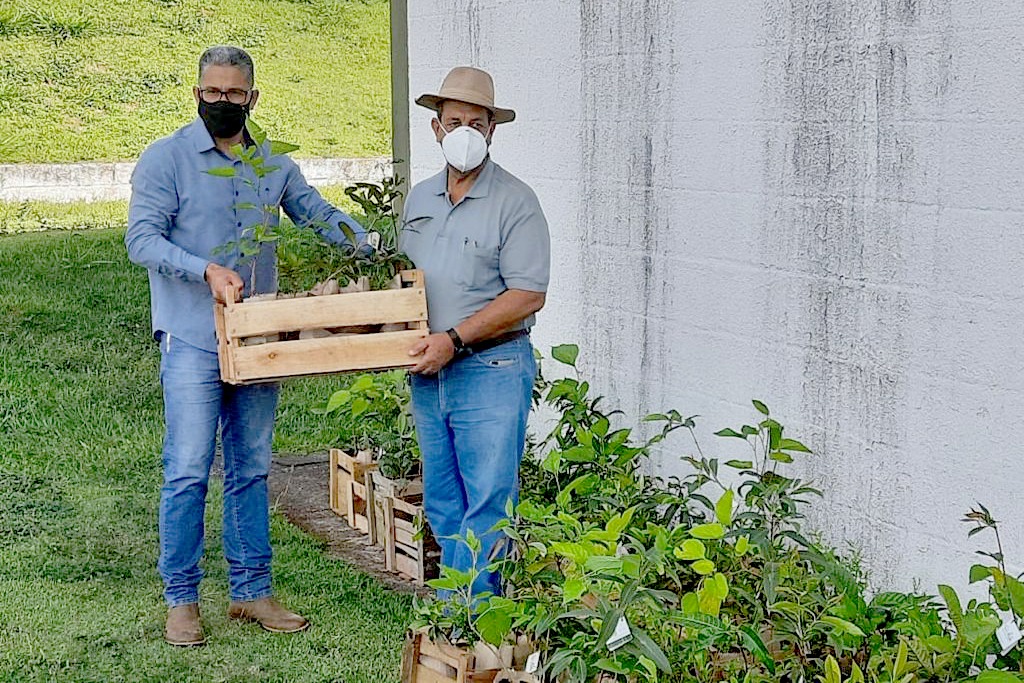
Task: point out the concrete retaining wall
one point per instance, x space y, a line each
110 181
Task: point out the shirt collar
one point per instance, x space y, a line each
480 188
201 138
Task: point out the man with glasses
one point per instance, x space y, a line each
480 237
179 216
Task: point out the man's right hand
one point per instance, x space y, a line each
219 277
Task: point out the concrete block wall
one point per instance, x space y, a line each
817 203
102 181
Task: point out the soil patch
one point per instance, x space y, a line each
299 490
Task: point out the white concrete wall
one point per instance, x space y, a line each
818 203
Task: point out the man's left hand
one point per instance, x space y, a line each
433 353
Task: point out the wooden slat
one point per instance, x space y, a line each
406 526
257 318
443 651
411 549
407 507
425 674
327 355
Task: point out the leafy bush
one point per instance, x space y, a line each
708 577
374 414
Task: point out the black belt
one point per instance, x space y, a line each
495 341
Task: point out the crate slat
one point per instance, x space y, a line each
276 360
334 310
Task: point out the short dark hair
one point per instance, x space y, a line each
228 55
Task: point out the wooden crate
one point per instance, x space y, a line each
276 360
380 489
427 661
404 553
348 489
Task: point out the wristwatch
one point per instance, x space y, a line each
460 347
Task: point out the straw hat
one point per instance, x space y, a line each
466 84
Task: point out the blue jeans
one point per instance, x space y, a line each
196 405
471 426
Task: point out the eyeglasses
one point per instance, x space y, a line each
233 95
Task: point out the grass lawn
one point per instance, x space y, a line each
80 431
35 216
101 79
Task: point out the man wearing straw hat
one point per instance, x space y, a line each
480 236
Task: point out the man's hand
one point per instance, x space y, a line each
433 353
219 277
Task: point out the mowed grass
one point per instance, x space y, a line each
80 432
36 216
101 79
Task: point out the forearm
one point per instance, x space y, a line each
150 249
501 315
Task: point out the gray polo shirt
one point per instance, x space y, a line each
495 239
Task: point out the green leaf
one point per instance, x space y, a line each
723 508
278 147
362 383
793 445
740 464
774 434
691 549
359 406
843 626
761 407
258 135
245 206
721 585
708 531
779 456
472 541
495 622
618 523
956 614
601 427
729 432
1016 589
565 353
742 545
703 567
337 399
996 676
753 642
650 649
832 672
222 172
979 572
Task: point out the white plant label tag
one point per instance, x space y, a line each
373 239
533 663
620 636
1008 634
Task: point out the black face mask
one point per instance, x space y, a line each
223 119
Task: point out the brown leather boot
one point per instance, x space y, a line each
183 627
269 614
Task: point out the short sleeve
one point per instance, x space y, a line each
524 259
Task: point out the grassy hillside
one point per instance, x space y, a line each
100 79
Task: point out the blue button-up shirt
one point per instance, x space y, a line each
179 215
495 239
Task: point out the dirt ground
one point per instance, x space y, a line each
299 490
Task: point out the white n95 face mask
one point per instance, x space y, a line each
464 148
